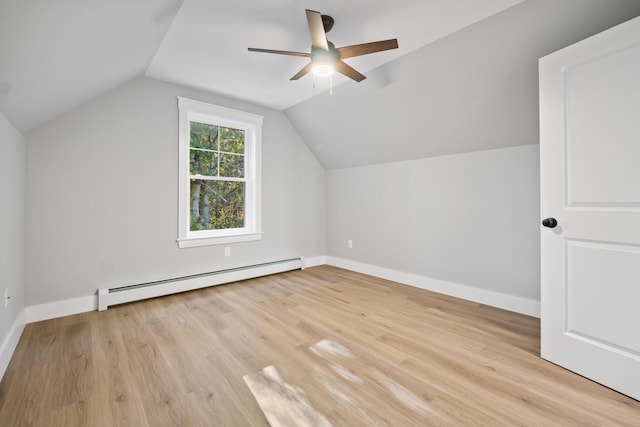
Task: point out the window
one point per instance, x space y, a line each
219 183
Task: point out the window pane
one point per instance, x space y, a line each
204 136
231 165
217 205
232 140
203 163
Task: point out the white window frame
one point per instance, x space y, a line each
190 110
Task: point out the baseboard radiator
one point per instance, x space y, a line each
123 294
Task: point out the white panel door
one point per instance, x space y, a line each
590 184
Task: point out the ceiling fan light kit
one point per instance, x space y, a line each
323 70
323 61
324 57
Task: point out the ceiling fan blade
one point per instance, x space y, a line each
316 29
305 70
349 71
367 48
280 52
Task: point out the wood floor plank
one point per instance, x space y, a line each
356 349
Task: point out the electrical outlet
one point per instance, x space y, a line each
6 297
227 251
350 244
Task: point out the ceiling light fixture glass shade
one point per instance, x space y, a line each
323 70
324 61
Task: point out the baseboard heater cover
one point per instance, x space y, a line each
123 294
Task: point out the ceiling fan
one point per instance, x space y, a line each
325 58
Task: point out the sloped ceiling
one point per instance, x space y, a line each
473 90
56 55
463 79
206 46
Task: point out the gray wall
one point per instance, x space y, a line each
102 180
447 209
102 195
470 219
12 204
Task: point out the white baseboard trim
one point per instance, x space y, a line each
10 342
308 262
52 310
67 307
521 305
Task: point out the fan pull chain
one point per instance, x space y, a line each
330 84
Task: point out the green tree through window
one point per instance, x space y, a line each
219 168
216 167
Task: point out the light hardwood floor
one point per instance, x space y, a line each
352 349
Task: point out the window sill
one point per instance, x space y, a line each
192 242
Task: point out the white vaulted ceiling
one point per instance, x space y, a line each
57 55
475 89
463 79
206 46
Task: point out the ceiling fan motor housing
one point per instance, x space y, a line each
327 23
321 56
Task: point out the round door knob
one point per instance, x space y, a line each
549 222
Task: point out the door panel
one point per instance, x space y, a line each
599 172
590 182
591 311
